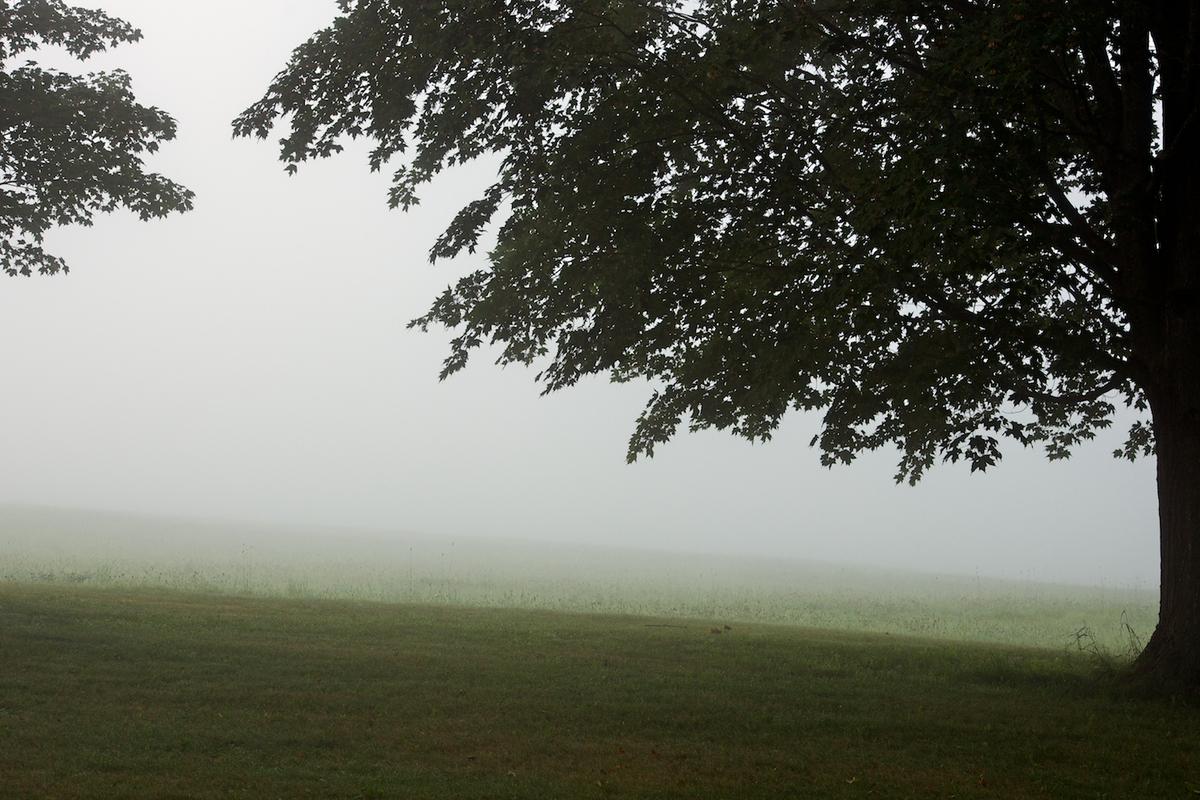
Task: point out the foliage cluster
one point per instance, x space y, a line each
70 146
899 212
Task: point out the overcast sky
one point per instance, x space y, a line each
250 360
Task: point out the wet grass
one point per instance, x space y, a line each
91 549
150 693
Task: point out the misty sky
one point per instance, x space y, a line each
249 360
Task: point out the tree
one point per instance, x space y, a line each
943 223
70 146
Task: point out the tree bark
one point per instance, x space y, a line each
1166 328
1172 656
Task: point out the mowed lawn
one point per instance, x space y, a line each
105 693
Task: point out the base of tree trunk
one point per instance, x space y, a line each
1169 663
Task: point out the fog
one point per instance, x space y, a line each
250 361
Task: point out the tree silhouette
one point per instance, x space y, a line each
940 223
70 146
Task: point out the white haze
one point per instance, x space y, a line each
250 361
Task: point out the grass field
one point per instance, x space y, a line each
151 693
58 547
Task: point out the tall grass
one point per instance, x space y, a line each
37 546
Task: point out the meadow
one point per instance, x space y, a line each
128 552
154 658
113 693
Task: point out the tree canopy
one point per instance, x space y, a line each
940 222
901 214
70 146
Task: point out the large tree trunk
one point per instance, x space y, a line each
1172 655
1165 321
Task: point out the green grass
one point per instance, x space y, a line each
123 551
151 693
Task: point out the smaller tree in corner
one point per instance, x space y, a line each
70 146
